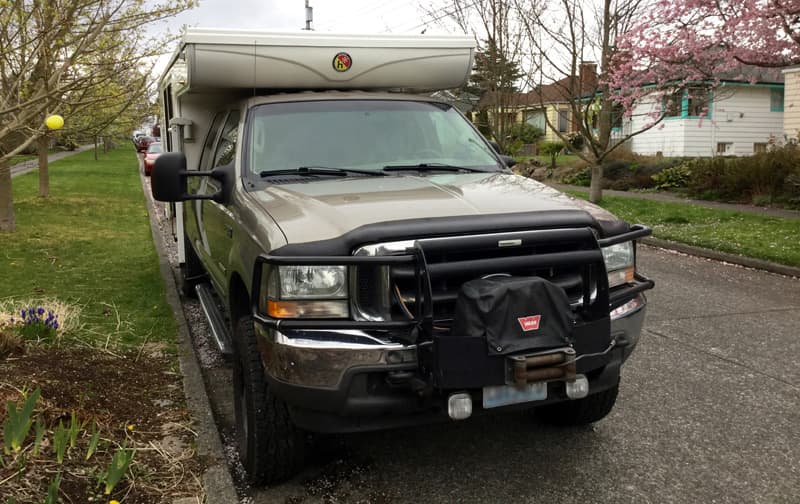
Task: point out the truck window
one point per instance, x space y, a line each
226 147
363 134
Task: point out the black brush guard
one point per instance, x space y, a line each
449 362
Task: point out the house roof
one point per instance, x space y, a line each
556 92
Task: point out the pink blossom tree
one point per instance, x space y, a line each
679 41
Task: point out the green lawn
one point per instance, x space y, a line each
762 237
89 245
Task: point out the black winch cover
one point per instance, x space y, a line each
514 314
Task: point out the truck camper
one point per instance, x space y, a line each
367 258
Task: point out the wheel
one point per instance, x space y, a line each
580 411
191 270
271 448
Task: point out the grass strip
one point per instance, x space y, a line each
761 237
89 244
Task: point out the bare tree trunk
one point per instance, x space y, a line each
95 148
44 168
8 221
596 186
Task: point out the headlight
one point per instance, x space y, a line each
306 292
620 264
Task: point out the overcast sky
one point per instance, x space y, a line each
344 16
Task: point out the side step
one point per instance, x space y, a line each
219 329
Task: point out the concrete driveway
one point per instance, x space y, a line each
709 411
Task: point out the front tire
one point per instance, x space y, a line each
580 411
271 448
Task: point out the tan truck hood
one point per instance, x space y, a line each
324 209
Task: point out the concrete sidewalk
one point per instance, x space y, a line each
33 164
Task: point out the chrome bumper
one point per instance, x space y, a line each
321 358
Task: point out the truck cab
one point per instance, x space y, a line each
367 258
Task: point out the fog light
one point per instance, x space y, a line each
577 388
459 406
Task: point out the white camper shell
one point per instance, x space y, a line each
213 68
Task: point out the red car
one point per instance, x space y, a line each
153 151
143 142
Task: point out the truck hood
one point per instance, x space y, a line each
324 209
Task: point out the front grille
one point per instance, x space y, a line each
569 258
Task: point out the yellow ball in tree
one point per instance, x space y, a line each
54 122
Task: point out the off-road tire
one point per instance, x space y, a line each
191 270
271 448
580 411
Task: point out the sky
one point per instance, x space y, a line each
343 16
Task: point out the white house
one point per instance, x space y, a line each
791 117
733 118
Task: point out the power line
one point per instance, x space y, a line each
425 24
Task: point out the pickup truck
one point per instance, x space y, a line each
369 261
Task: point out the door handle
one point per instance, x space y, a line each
228 231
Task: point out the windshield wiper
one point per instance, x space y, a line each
431 167
321 170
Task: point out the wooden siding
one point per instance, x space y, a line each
740 115
791 103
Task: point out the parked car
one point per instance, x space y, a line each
153 151
143 143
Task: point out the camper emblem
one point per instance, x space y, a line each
342 62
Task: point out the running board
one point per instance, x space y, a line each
216 321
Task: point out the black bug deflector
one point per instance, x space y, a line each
432 273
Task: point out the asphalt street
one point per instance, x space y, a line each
708 412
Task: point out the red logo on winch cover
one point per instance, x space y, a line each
530 323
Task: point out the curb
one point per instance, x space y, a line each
217 480
748 262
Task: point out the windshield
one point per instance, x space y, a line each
364 135
154 148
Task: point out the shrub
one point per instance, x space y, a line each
672 178
525 133
575 141
582 178
763 175
552 149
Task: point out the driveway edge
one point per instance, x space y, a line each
217 480
748 262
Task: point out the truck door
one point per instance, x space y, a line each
218 221
194 219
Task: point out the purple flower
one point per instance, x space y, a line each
40 311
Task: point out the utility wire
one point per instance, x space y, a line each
445 14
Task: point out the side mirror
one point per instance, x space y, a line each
168 179
495 146
508 160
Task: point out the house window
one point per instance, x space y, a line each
698 102
776 100
724 148
759 148
563 121
672 104
617 113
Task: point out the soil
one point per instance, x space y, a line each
135 400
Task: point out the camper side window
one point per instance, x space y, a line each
211 137
226 147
